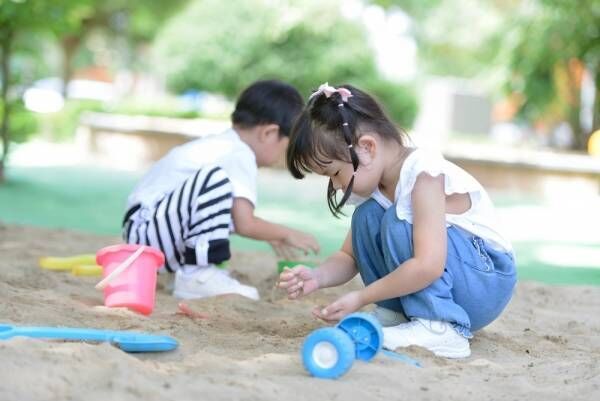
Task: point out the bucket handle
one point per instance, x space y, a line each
120 269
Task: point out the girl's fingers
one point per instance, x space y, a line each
296 287
285 276
287 283
331 310
333 313
321 312
335 317
317 312
326 319
326 314
288 274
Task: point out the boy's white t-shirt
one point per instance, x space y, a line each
479 220
225 150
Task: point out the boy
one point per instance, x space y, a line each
194 197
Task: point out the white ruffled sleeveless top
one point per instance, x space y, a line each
479 220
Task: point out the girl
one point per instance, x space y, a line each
424 238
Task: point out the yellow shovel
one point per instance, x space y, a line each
79 265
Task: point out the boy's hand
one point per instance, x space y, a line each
282 250
343 306
303 241
298 281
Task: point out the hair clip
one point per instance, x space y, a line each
341 105
345 124
350 146
330 90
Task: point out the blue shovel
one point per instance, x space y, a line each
128 341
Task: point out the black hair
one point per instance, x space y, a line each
329 128
268 102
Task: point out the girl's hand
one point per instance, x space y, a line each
298 281
343 306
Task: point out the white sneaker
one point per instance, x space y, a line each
388 317
438 337
208 282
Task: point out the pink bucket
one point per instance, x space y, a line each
134 288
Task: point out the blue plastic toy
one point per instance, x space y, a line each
128 341
329 353
366 333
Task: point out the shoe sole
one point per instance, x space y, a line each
452 353
185 295
444 352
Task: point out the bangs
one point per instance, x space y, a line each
313 145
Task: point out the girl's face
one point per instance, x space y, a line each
367 176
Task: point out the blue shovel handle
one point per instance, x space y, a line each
401 357
126 340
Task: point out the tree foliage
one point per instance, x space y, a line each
16 19
555 43
537 49
212 46
68 22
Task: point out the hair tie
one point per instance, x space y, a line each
350 146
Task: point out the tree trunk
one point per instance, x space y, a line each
5 48
579 136
574 76
596 107
69 46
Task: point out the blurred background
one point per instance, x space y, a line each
92 92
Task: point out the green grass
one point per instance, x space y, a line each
82 198
93 199
531 267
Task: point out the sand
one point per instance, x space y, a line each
546 346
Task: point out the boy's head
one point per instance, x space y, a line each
269 108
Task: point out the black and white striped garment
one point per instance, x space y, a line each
191 225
